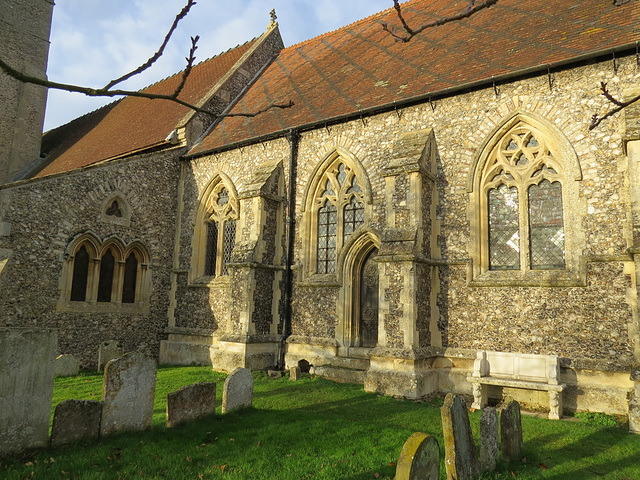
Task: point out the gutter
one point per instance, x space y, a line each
600 55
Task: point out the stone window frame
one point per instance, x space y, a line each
481 180
96 250
208 210
123 205
312 201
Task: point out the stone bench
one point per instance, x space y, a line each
517 370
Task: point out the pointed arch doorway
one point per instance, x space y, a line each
358 329
366 303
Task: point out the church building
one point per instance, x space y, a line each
420 201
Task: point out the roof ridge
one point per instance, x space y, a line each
361 20
198 64
92 112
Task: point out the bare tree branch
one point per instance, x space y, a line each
597 120
472 8
158 54
107 91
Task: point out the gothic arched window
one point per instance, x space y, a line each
522 188
215 235
339 207
105 275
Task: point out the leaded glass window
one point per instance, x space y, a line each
220 231
327 228
524 208
340 212
130 279
105 283
504 232
80 275
228 241
546 228
211 255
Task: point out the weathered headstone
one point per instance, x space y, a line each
460 455
511 430
238 390
75 420
295 373
489 441
634 403
26 387
274 374
67 366
127 394
419 458
191 403
108 351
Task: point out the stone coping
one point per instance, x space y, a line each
250 338
504 382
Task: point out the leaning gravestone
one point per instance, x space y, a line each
295 373
108 351
511 430
191 403
489 442
75 420
127 394
238 390
460 457
419 458
67 366
26 387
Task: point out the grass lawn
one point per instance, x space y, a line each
312 428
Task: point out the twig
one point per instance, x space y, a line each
472 8
158 54
597 120
92 92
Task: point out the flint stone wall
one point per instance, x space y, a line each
46 214
26 388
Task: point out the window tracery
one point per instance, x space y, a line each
339 212
215 232
104 275
523 190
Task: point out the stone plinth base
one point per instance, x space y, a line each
243 351
401 376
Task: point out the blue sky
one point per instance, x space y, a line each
94 41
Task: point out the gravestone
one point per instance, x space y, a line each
460 456
75 420
274 374
127 394
191 403
489 441
108 351
295 373
67 366
511 430
419 458
238 390
27 365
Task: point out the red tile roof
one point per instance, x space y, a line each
360 66
132 124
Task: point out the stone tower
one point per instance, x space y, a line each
24 44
